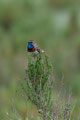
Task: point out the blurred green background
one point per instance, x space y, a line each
55 27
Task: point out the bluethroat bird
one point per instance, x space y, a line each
33 49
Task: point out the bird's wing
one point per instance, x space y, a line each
37 48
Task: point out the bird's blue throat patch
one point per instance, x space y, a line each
30 46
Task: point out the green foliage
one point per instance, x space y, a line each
39 84
38 89
55 26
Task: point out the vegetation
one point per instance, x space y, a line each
38 87
55 27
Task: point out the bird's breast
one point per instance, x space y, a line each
31 50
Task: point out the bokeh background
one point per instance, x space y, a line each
55 27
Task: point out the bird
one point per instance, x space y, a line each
33 48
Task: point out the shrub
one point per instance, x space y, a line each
38 89
38 84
